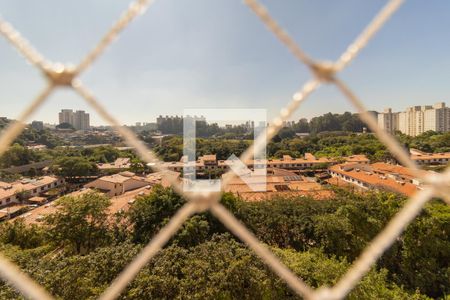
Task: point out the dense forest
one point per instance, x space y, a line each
318 240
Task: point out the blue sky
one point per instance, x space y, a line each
217 54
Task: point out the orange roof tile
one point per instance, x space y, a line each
374 180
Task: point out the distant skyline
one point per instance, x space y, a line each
220 122
217 54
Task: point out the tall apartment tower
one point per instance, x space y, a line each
437 118
417 119
388 120
79 119
66 116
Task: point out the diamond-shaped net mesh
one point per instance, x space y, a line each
322 72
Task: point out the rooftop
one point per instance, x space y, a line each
375 178
118 203
10 189
280 182
119 163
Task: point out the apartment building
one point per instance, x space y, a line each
416 120
79 119
388 120
66 116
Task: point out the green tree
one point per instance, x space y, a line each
74 167
23 195
17 155
137 166
149 213
65 126
286 133
81 222
425 256
19 234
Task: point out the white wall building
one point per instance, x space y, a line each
388 120
66 116
416 119
79 119
118 184
10 192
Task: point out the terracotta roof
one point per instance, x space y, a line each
118 203
119 163
430 156
36 215
127 174
11 209
208 157
369 176
163 177
284 183
124 201
356 158
389 168
10 189
37 199
116 178
338 182
280 172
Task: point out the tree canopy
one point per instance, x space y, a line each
318 240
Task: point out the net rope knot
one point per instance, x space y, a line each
60 74
324 71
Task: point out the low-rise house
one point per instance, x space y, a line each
210 162
277 182
12 210
380 176
119 203
357 158
38 214
423 158
118 184
19 191
396 172
120 164
163 178
40 165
